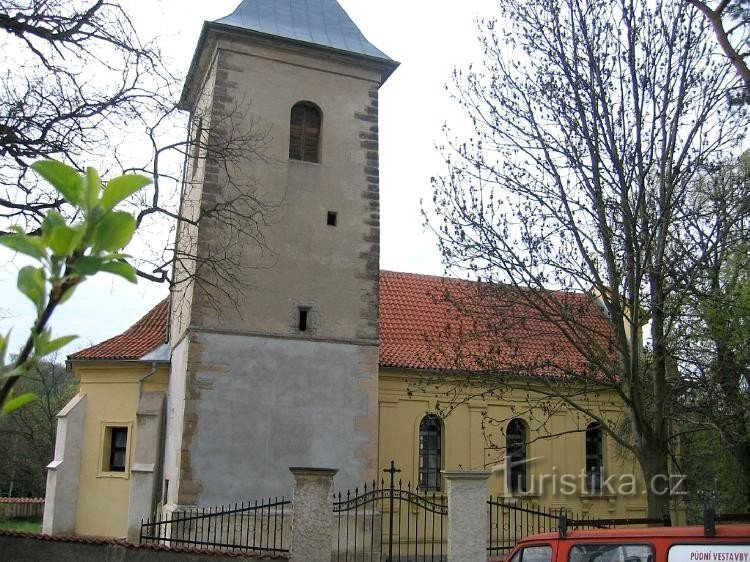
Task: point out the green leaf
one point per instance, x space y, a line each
87 265
24 244
93 185
3 349
121 188
10 371
53 240
114 231
63 178
18 401
43 345
64 240
53 219
31 282
121 268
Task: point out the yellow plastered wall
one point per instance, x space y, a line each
473 438
113 391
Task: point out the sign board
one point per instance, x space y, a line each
709 553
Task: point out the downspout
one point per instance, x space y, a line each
144 377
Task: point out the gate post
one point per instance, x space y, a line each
467 515
312 516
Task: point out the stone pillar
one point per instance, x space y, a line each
468 528
61 498
312 519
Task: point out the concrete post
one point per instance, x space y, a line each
467 515
312 529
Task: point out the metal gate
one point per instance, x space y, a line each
390 522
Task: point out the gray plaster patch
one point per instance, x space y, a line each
278 403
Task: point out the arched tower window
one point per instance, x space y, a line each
430 453
304 133
594 458
516 438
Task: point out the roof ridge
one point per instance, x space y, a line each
473 282
435 323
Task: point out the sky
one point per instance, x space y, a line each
429 39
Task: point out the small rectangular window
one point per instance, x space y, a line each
115 449
303 319
332 218
118 447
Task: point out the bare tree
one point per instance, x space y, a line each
221 143
80 85
592 121
730 20
74 72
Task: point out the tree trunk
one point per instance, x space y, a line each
655 467
742 454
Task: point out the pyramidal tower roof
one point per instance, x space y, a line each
320 22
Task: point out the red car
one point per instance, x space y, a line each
729 543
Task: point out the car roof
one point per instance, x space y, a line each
693 531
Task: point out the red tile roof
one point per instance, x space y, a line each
142 337
442 324
437 323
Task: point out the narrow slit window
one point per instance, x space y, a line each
332 218
304 133
196 148
303 319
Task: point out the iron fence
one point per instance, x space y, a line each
509 522
258 528
391 522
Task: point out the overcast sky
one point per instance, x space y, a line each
429 39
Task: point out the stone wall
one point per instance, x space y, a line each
29 547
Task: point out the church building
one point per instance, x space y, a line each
321 359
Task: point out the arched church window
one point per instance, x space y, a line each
429 453
594 458
304 133
516 439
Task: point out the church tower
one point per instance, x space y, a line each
274 325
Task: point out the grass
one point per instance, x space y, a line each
25 525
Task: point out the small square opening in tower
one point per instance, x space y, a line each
332 216
302 324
